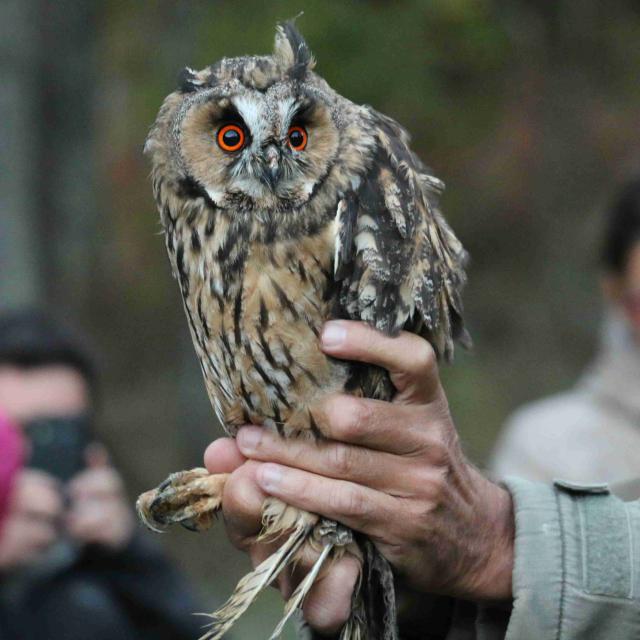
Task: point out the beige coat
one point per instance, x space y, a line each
588 434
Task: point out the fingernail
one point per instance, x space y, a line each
269 476
333 335
249 439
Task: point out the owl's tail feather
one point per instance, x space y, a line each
265 573
297 598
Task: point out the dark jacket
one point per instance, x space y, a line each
131 595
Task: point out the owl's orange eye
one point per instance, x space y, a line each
297 138
231 137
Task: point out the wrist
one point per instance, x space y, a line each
492 579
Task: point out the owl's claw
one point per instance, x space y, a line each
190 498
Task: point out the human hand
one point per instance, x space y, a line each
99 511
327 605
31 523
394 471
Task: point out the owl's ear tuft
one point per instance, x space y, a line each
188 81
291 52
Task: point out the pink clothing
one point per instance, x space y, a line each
10 462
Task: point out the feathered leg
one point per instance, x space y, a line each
373 606
190 498
278 519
331 540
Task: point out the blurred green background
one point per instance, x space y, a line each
528 110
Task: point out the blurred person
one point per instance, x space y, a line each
592 431
72 563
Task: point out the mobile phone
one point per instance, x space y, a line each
58 444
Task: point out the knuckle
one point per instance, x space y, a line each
435 490
453 448
440 485
438 453
421 531
351 502
306 486
440 443
342 459
357 505
356 417
425 358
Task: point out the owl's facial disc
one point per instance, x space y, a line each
264 150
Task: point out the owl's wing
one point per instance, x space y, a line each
397 261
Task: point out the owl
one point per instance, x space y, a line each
285 205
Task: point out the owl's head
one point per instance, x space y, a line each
252 133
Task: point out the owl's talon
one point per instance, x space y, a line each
143 507
191 525
190 498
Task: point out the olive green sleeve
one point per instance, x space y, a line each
577 563
576 573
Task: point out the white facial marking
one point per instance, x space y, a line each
286 109
252 113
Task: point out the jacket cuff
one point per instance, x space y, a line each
538 565
576 571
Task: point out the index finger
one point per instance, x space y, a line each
373 424
409 359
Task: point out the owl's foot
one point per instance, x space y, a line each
190 498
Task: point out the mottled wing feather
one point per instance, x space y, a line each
399 264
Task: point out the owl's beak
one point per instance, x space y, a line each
271 169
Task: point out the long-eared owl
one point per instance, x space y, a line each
285 205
